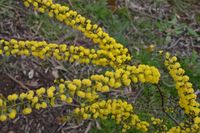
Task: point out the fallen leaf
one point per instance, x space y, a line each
31 74
55 73
33 83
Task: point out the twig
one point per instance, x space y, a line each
58 130
98 125
139 9
163 106
70 3
138 94
74 127
173 45
38 28
66 104
197 92
88 127
17 81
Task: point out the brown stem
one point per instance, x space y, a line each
163 105
17 81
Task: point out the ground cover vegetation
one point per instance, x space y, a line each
99 66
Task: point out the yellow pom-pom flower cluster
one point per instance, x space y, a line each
185 91
156 121
187 127
115 51
88 89
159 125
25 102
43 50
120 111
187 100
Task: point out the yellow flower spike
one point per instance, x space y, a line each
1 52
44 50
61 88
96 115
86 82
77 82
3 117
37 106
85 116
1 102
26 4
44 105
187 98
30 95
12 97
69 100
81 94
63 97
197 120
27 111
71 87
76 111
105 89
35 99
50 93
112 82
127 82
167 55
117 85
12 114
52 101
110 53
150 48
101 109
88 95
160 52
40 91
184 87
141 78
6 48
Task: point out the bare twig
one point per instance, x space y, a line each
70 3
58 130
136 8
197 92
98 125
88 127
38 28
138 94
163 106
66 104
74 127
173 45
17 81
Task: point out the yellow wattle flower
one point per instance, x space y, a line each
27 111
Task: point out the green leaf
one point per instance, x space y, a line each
192 32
